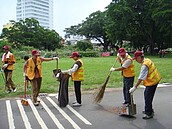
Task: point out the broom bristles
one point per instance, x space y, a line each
100 92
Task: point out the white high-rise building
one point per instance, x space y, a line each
41 10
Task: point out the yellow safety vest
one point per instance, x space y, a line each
10 60
128 72
153 76
31 68
79 74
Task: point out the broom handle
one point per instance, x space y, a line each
113 66
57 62
25 83
131 97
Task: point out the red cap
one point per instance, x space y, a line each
35 52
6 47
121 51
74 54
137 54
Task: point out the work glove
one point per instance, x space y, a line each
132 89
55 58
58 74
4 66
112 69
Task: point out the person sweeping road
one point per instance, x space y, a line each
128 73
34 73
150 77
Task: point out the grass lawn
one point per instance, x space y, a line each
96 71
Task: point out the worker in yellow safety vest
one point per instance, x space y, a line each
128 73
33 70
77 73
150 77
8 61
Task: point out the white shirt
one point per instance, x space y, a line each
143 72
73 69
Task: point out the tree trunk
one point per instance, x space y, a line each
151 46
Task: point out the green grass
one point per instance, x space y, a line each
96 71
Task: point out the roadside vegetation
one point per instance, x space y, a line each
96 71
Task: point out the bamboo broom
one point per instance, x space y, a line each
100 92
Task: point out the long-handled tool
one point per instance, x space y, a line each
1 72
128 109
101 90
24 100
133 106
56 71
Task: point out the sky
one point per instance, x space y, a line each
66 12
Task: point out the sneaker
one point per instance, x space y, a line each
38 100
124 103
76 104
36 104
9 91
148 116
152 112
14 90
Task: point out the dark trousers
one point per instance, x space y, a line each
148 96
36 85
77 86
128 83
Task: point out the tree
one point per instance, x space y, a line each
162 16
28 32
117 14
84 45
92 28
139 22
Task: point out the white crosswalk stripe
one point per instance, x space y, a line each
63 113
10 115
52 116
39 119
23 114
79 115
31 110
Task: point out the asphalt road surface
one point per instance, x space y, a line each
48 115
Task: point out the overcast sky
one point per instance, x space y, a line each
66 12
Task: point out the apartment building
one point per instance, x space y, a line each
41 10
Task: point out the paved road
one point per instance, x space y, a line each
89 115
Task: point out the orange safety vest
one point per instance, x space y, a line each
31 68
153 76
10 60
79 74
128 72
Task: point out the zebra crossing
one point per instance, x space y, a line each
47 115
